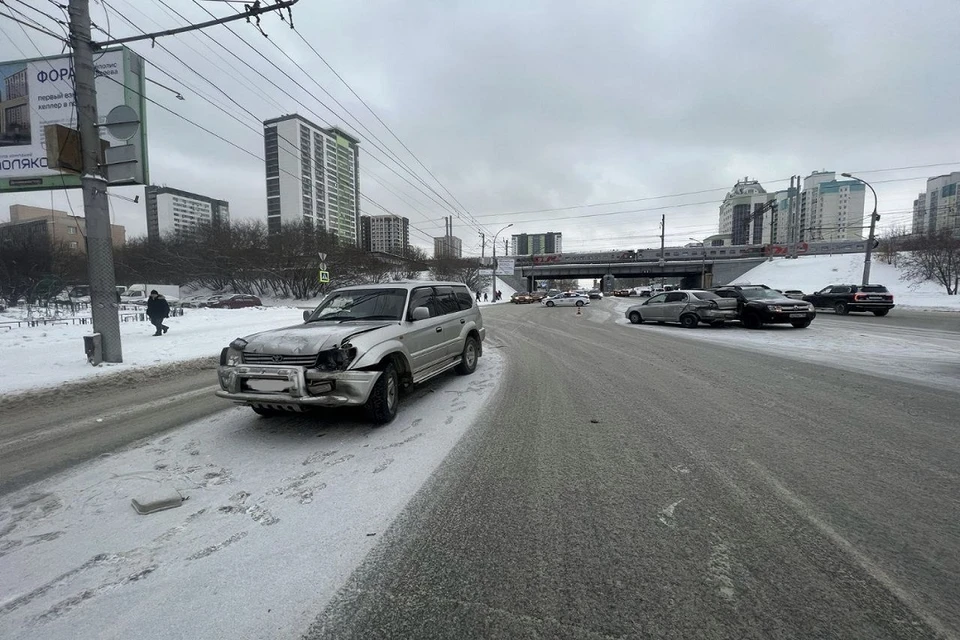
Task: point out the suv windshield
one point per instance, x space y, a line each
873 288
361 304
761 294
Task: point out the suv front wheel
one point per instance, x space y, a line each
468 359
382 404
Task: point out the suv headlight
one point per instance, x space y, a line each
233 355
336 359
775 308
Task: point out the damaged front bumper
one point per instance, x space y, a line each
294 386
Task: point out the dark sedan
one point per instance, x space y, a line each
236 301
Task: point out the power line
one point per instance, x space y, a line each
31 25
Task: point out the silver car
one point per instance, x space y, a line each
360 347
688 307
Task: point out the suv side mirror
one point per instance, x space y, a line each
420 313
306 315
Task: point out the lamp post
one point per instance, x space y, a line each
873 227
493 295
703 262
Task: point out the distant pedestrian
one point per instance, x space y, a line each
485 299
478 296
499 295
158 310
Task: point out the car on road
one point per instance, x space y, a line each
844 298
236 301
568 299
360 347
595 294
193 302
522 298
793 294
689 307
758 305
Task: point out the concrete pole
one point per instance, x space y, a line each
103 293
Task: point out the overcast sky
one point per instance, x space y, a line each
519 106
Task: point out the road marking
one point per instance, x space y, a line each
910 601
52 432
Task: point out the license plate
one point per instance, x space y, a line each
798 315
268 386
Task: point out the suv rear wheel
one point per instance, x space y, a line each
382 404
881 312
468 359
841 308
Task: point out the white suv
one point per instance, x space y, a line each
361 346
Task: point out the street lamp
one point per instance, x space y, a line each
703 261
494 285
873 227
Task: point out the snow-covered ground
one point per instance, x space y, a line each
925 356
44 356
279 513
813 273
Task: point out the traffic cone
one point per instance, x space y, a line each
578 312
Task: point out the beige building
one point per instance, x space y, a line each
61 226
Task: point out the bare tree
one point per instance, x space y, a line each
934 257
462 270
891 243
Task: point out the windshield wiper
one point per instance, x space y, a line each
362 318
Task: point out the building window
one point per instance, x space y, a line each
71 231
73 245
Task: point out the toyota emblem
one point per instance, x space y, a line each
277 358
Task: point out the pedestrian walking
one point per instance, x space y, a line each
478 296
158 310
499 295
485 299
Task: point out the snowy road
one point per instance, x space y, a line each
625 481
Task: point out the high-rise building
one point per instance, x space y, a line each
172 211
938 208
313 177
386 234
59 227
525 244
830 209
738 216
448 246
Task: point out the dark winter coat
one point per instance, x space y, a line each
158 308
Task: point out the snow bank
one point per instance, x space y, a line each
813 273
36 357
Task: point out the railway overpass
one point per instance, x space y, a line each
714 271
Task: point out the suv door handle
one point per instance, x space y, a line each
439 329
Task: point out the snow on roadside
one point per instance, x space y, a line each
279 514
44 356
813 273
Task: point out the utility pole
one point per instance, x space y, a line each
506 245
483 245
663 240
103 292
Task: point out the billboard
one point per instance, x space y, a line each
506 266
39 92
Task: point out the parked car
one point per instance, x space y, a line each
193 302
522 298
568 299
844 298
595 294
758 305
359 347
793 294
623 293
688 307
539 295
236 301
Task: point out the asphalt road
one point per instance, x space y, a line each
635 484
48 432
902 318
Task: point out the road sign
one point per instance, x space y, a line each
323 276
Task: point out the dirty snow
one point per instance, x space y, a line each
44 356
279 512
813 273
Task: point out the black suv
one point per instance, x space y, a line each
758 305
844 298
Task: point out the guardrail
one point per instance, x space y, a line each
130 316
